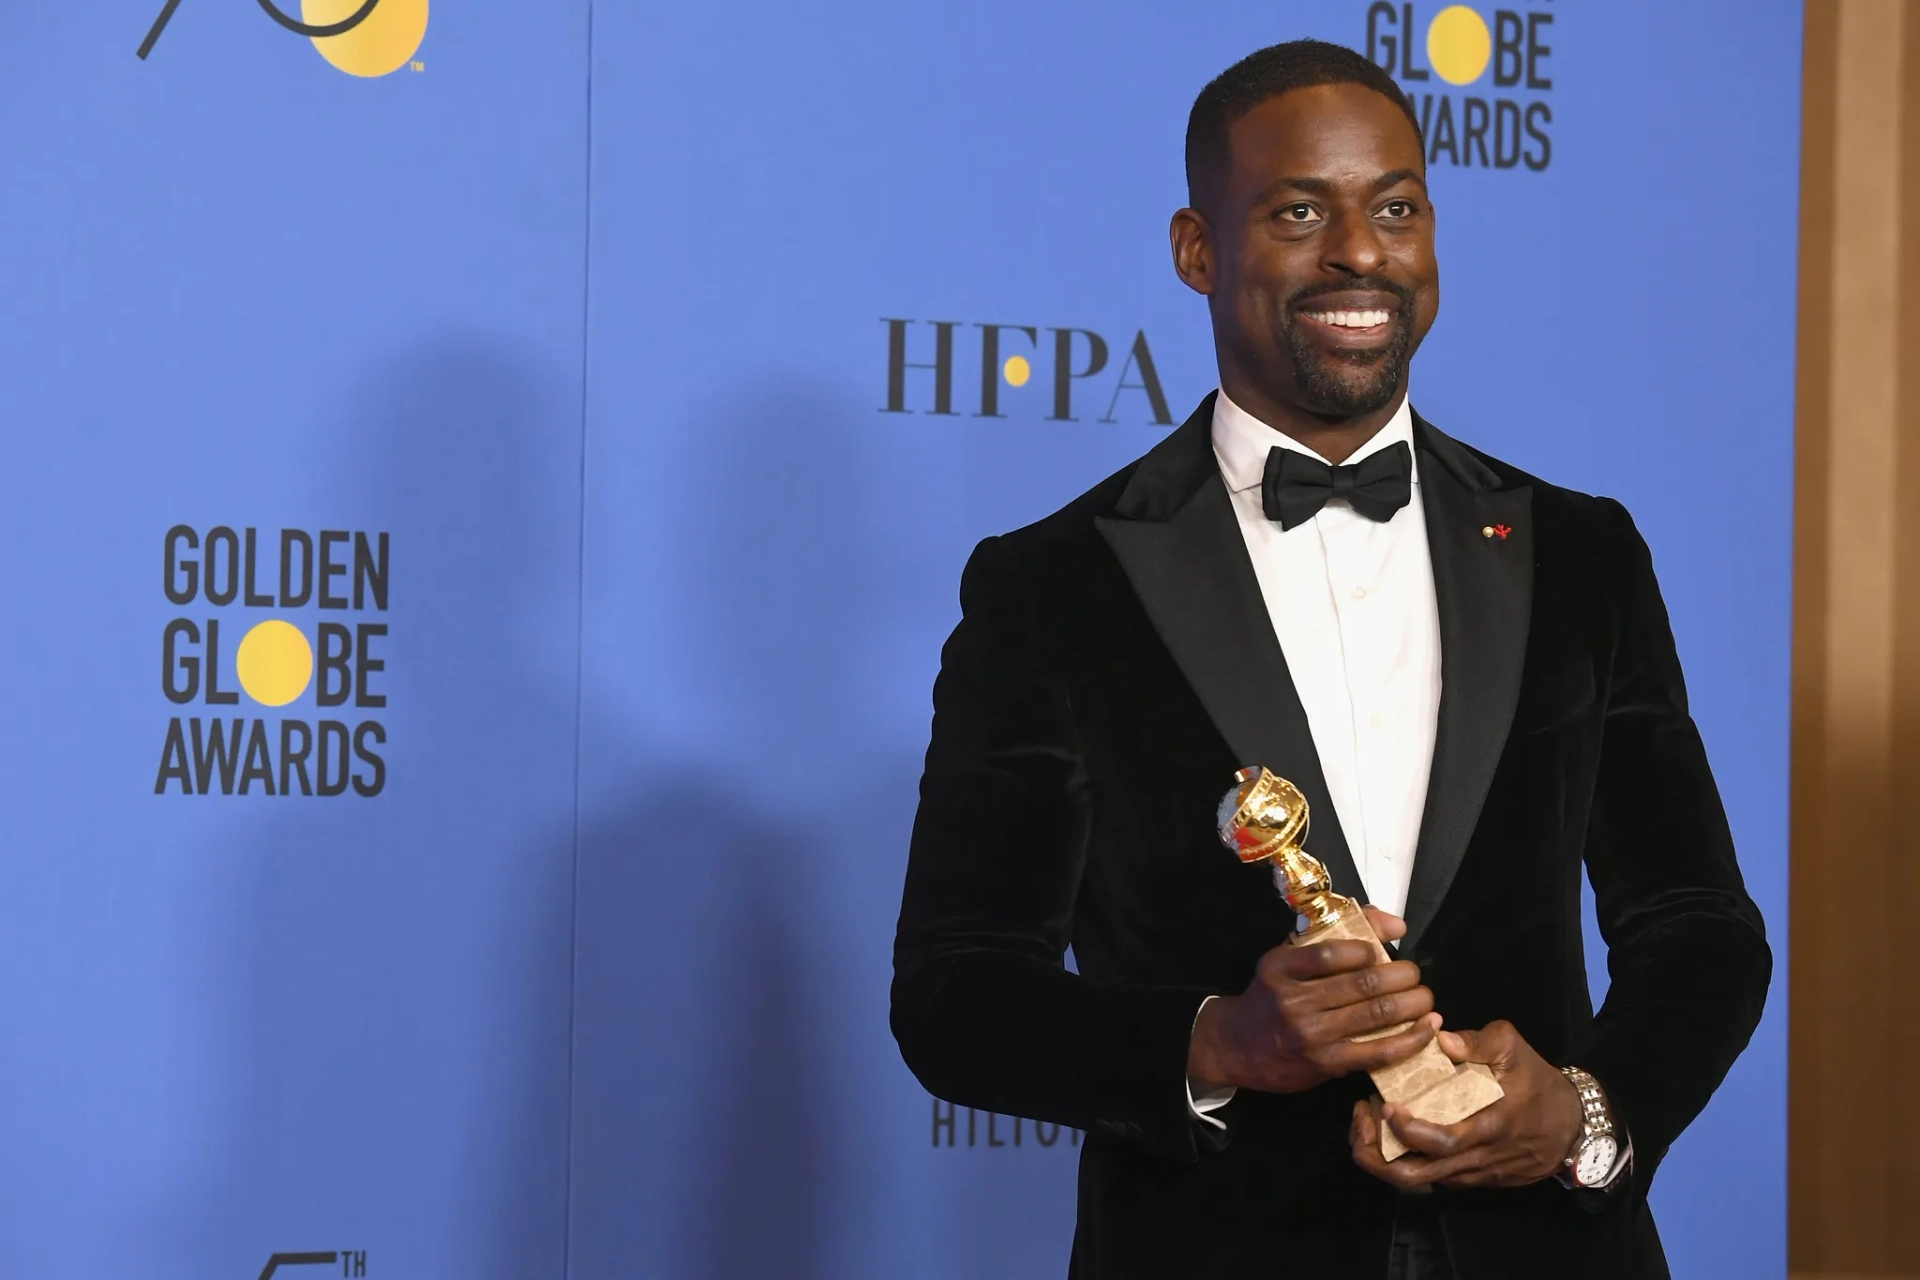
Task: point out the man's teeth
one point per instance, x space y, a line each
1350 319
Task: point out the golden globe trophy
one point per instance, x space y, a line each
1265 817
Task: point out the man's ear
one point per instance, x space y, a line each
1193 251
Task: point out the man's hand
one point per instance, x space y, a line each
1292 1028
1522 1138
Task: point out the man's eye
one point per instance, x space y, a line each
1398 209
1297 213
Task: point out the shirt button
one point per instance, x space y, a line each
1359 593
1386 854
1377 720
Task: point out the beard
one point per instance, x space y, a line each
1349 384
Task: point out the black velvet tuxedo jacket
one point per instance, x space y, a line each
1114 665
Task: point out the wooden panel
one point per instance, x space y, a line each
1856 699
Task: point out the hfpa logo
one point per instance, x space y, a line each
1078 356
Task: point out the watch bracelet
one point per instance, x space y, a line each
1596 1117
1596 1121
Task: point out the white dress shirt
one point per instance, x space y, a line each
1353 606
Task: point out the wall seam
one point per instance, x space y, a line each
579 652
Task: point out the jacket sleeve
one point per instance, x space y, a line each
1686 947
985 1011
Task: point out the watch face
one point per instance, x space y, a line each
1595 1161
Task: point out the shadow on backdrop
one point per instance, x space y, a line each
396 1034
707 924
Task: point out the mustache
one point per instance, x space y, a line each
1379 284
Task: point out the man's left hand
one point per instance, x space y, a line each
1522 1138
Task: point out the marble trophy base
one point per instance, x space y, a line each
1429 1084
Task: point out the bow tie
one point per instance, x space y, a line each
1296 487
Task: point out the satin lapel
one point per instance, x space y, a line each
1179 542
1484 583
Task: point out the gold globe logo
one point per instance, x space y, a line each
360 37
1459 44
274 662
1478 80
260 705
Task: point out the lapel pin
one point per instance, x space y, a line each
1496 531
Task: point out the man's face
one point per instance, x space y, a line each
1322 274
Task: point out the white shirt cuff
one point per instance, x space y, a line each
1210 1098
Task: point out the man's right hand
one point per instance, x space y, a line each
1292 1028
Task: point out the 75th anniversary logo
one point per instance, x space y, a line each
360 37
351 1262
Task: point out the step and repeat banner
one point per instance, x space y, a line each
487 488
292 403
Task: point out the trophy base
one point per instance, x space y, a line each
1470 1088
1429 1084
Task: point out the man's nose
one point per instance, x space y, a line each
1353 246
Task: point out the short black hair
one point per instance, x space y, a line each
1272 71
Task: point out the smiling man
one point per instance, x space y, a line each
1470 675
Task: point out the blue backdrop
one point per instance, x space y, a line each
678 356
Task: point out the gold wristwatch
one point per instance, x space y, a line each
1595 1160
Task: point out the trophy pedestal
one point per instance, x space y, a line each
1429 1084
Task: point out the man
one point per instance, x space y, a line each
1470 675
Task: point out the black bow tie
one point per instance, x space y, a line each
1296 486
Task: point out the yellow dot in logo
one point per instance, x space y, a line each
1459 44
381 44
275 663
1017 371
